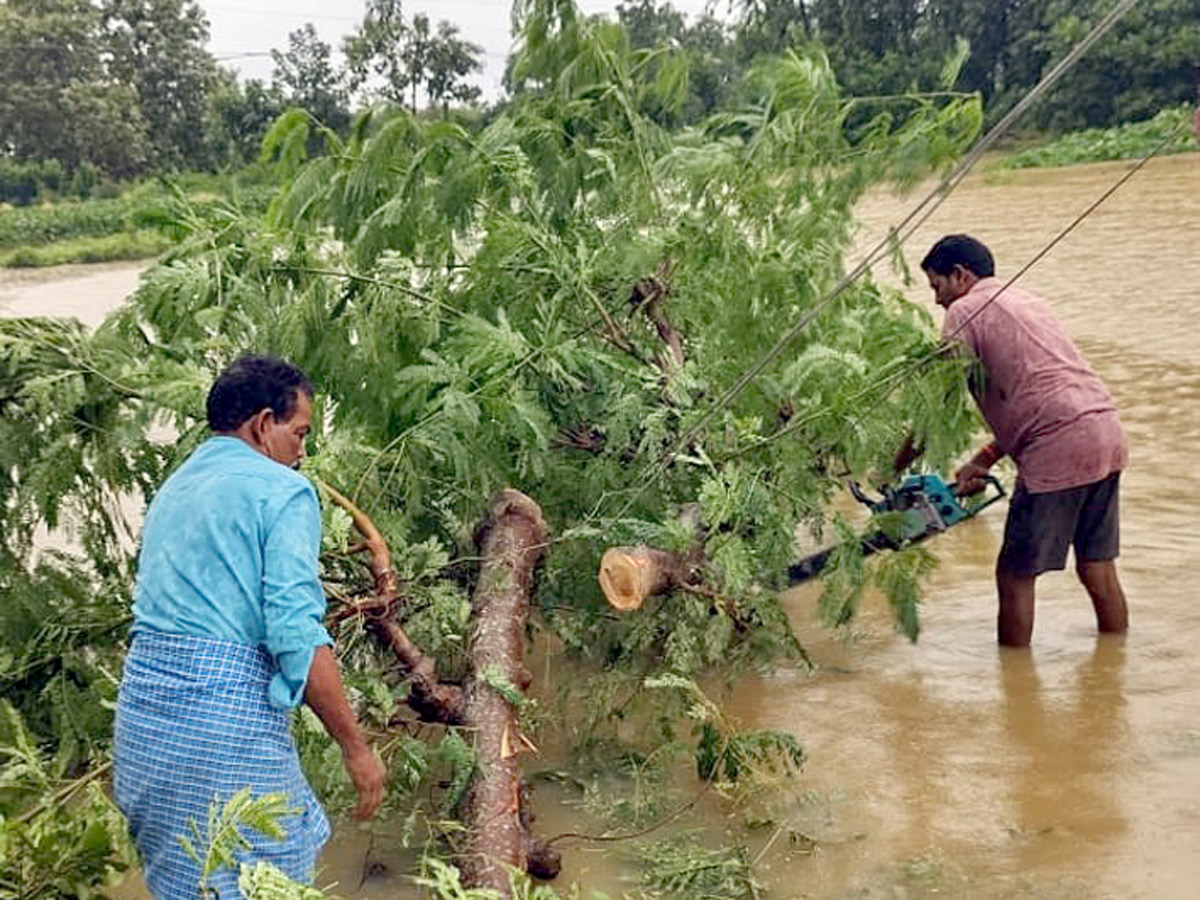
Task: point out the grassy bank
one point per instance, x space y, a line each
107 248
134 225
1168 132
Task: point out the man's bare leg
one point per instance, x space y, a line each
1108 599
1014 625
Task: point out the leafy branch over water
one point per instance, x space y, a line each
550 303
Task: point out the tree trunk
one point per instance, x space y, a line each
512 542
496 809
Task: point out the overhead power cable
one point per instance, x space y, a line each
916 217
877 390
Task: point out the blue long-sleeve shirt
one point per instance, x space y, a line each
229 551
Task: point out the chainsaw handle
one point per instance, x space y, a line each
1000 494
860 496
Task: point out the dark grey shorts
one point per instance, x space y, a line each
1040 527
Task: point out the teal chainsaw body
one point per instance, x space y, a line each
927 506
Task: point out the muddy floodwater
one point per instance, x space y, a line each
84 292
950 768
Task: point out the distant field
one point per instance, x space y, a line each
136 225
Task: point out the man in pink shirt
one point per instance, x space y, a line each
1053 415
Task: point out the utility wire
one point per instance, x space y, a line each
878 389
902 232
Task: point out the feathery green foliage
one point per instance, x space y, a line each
60 834
262 881
561 302
681 867
224 835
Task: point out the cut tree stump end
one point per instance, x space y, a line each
629 575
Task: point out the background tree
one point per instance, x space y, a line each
772 26
417 54
157 48
59 101
882 47
701 50
1149 61
238 118
649 23
451 61
304 76
897 46
1006 40
405 56
375 52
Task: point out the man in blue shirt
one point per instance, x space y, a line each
228 637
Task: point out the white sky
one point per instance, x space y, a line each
242 34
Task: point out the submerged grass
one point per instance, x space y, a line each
681 867
1129 141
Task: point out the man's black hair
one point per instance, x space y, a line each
252 384
959 250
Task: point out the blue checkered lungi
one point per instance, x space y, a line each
193 725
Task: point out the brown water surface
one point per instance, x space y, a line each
950 767
84 292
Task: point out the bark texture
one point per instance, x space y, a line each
512 542
496 809
431 698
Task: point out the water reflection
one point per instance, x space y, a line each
1067 742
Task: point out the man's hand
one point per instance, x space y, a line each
369 776
327 698
969 479
907 454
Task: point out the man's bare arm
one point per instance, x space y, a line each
969 478
327 698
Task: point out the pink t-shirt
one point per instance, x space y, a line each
1048 409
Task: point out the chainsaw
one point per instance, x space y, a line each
928 506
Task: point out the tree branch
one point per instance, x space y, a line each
648 296
430 697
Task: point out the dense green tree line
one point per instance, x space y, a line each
883 48
120 88
124 87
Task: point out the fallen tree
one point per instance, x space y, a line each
496 810
565 301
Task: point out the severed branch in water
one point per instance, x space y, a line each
431 698
631 575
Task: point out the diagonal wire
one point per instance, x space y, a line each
915 218
878 389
